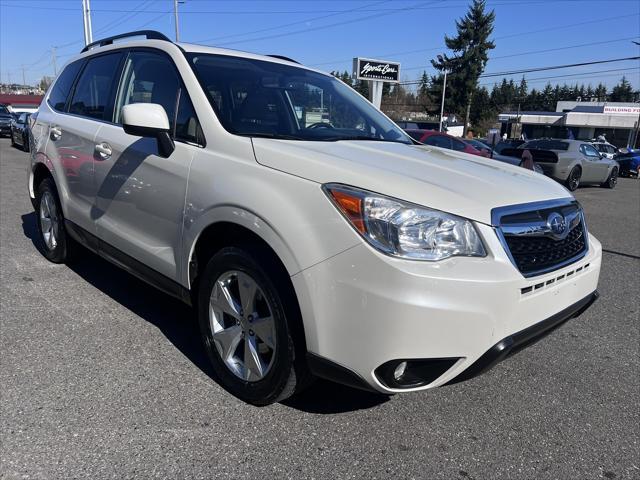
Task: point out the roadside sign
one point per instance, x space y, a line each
381 70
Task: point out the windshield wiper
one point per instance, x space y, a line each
361 137
276 136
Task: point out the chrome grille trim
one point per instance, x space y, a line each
540 228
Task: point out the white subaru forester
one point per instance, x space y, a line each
307 230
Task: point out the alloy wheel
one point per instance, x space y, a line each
574 181
49 220
242 326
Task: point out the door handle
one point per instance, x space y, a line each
104 150
55 133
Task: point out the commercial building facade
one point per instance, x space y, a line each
618 121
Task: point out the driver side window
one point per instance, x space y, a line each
589 151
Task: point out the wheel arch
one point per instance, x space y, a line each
39 172
225 233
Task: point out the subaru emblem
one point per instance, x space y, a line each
557 225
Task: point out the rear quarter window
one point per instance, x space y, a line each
62 86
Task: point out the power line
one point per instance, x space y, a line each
574 75
322 27
531 52
277 27
519 34
539 69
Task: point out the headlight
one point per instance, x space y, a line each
403 229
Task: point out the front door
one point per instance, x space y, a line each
594 168
140 195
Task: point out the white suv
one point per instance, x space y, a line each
308 232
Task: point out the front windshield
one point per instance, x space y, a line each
266 99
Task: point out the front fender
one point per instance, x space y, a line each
291 214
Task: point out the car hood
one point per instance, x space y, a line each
455 182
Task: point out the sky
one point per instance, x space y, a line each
327 34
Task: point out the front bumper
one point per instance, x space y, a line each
362 309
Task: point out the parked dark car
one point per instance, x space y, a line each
511 160
441 139
418 125
502 144
20 131
5 120
629 163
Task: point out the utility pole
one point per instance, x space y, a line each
23 80
53 60
444 89
86 21
175 13
9 78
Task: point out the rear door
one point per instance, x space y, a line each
140 195
80 100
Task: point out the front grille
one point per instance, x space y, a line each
532 254
531 238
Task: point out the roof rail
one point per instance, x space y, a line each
150 34
282 57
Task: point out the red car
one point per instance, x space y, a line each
440 139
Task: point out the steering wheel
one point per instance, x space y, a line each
313 126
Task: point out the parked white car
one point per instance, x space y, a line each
334 249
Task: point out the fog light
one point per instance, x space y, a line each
413 372
399 371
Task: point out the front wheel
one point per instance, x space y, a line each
245 318
612 181
573 180
25 143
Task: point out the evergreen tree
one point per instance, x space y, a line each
471 47
622 92
600 93
523 90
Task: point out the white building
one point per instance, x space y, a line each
618 121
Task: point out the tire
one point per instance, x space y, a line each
612 181
13 144
25 143
274 369
52 236
573 180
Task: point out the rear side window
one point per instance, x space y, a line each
92 94
62 86
458 145
438 141
415 135
546 145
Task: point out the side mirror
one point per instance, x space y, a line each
151 121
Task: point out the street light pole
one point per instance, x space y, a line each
444 89
53 60
175 13
86 21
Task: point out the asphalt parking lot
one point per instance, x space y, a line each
103 377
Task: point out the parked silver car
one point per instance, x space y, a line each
573 162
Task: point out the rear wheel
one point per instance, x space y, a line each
245 316
612 181
573 180
25 143
52 234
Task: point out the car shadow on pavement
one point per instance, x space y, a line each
177 322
